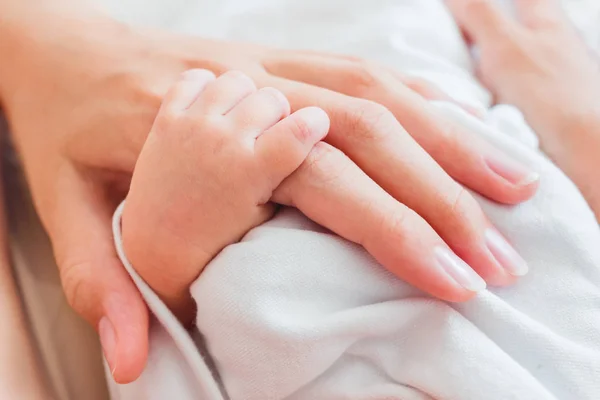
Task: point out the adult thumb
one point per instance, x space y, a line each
95 282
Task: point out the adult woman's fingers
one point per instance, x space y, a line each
469 159
94 280
331 190
372 137
430 91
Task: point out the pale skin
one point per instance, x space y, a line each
171 259
539 63
218 150
81 121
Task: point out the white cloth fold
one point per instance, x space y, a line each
294 312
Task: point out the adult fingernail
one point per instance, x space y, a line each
505 254
511 170
108 340
459 270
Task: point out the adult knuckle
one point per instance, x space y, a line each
362 77
325 164
461 207
418 85
365 119
394 224
451 138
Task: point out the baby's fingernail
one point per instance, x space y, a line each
459 270
317 121
108 340
196 74
505 254
511 170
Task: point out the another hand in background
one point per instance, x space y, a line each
536 61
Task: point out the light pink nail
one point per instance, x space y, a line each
511 170
505 254
459 270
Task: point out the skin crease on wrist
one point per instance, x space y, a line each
81 92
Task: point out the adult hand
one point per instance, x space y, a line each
536 61
81 94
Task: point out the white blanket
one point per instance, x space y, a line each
294 312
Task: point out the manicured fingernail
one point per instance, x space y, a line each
511 170
108 340
459 270
505 254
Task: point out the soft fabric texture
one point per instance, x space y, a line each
295 312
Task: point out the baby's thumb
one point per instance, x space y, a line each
95 282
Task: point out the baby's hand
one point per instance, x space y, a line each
217 151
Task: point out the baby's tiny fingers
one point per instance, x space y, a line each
224 93
282 148
260 111
185 91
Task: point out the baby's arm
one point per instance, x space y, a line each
539 63
217 150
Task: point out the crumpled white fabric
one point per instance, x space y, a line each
294 312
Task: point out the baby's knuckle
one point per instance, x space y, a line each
240 79
276 98
166 120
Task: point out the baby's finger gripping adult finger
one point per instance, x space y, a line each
185 91
259 111
282 148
